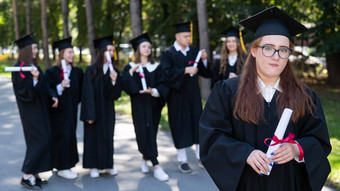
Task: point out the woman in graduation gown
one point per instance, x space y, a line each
146 104
34 99
100 88
64 117
232 57
244 111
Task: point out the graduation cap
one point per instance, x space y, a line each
231 31
62 44
135 42
25 41
182 27
273 21
101 43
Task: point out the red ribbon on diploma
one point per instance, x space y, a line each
62 73
21 74
192 62
141 75
288 139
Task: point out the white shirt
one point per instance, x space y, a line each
184 52
60 88
232 59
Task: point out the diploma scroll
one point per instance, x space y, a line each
142 77
65 74
198 57
108 58
18 68
279 133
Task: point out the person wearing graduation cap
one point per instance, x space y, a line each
242 112
100 88
34 99
64 117
184 99
232 57
146 104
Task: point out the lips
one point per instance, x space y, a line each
273 65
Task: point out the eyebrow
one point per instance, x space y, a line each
274 45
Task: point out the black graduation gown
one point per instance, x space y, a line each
146 109
98 95
215 73
64 118
184 100
33 104
226 143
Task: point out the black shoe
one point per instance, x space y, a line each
30 183
184 167
40 180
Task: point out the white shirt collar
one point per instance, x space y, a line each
268 91
232 59
150 67
179 48
262 85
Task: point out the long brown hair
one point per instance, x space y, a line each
60 57
138 56
249 102
225 61
26 56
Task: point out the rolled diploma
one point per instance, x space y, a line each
17 68
108 58
65 74
198 57
141 71
279 133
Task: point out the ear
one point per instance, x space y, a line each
253 52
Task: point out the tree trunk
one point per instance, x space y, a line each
45 33
333 68
204 42
136 20
80 54
90 28
64 13
28 17
15 16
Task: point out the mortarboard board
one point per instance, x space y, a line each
182 27
62 44
102 42
25 41
273 21
135 42
231 31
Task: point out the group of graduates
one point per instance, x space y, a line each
241 112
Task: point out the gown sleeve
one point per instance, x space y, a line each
128 82
88 111
222 155
172 74
314 139
114 91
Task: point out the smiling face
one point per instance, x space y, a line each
270 68
68 55
145 49
34 51
231 44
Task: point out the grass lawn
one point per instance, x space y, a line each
330 98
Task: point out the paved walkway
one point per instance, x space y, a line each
127 158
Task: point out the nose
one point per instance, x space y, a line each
276 55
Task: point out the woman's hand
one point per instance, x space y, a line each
65 83
148 91
285 153
132 70
90 122
113 75
258 161
55 100
35 73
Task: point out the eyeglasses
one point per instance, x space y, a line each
269 51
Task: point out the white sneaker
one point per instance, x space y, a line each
68 174
160 174
112 171
94 173
144 167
